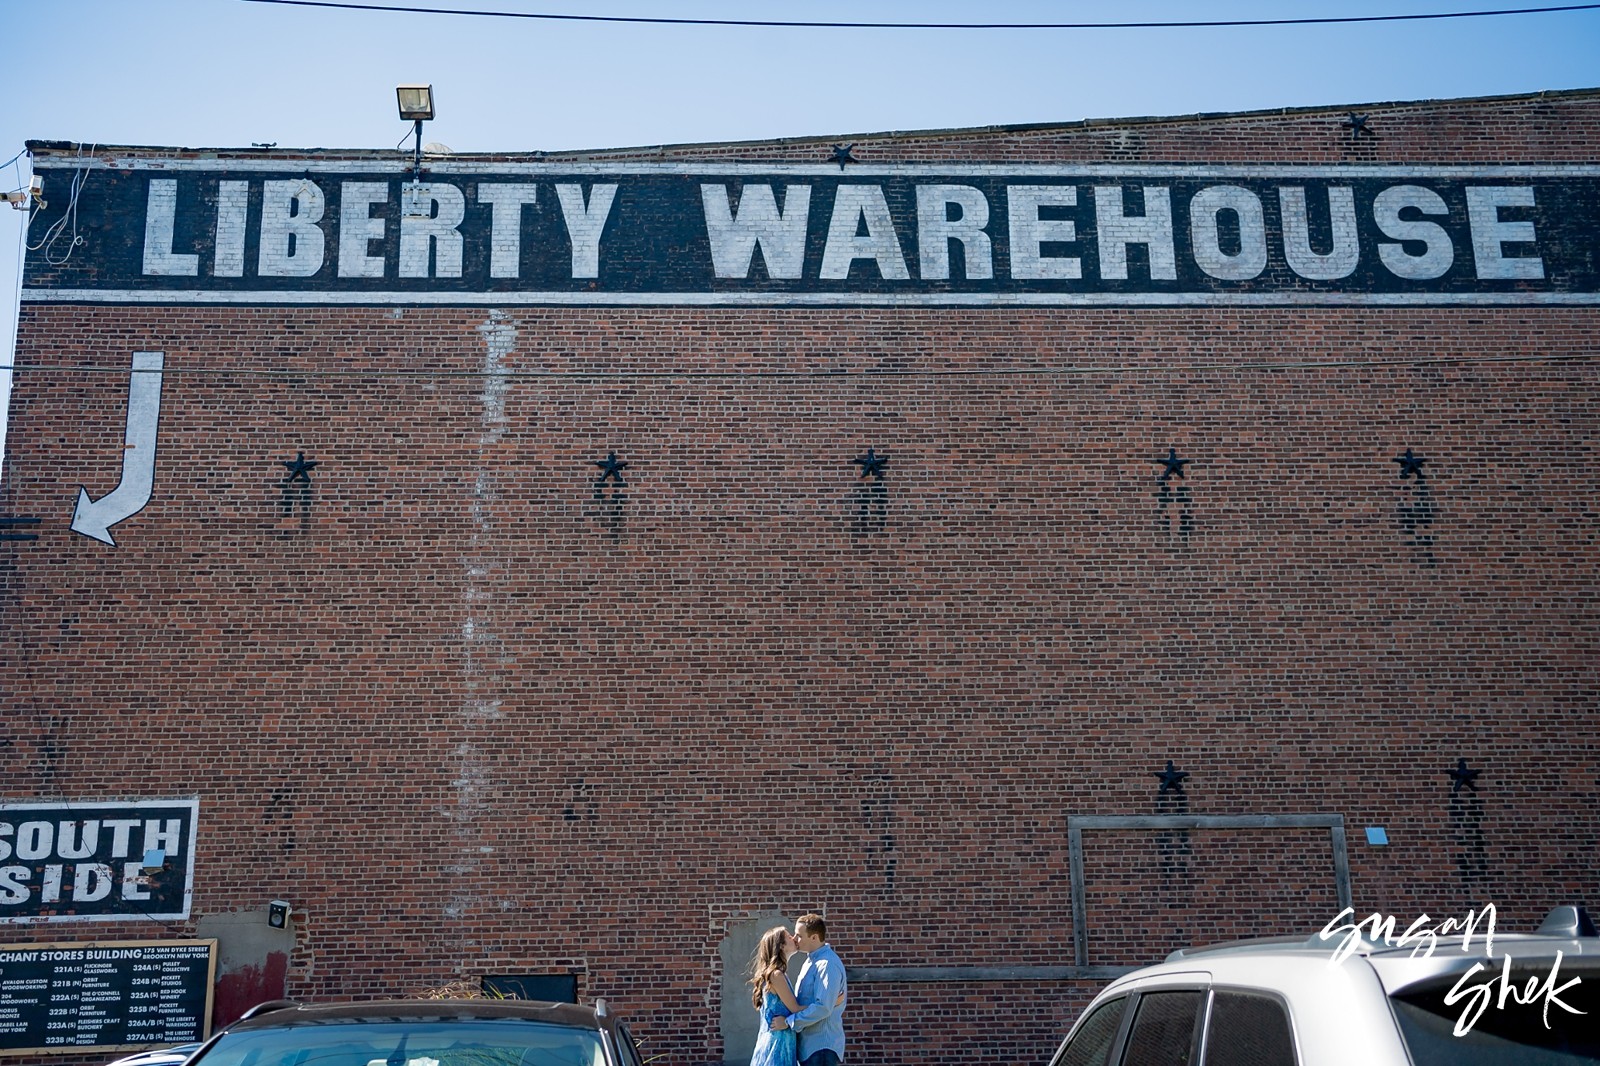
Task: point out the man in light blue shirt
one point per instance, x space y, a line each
822 992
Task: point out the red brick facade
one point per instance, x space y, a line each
471 712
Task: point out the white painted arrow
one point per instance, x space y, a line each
94 518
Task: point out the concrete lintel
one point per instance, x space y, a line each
1208 821
929 974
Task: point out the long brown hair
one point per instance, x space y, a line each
769 961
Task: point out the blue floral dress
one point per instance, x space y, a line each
774 1049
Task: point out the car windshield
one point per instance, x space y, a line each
479 1042
1515 1019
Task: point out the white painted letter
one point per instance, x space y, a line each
119 834
781 235
505 225
1115 231
585 224
35 840
291 241
160 218
851 205
1489 233
936 229
358 229
70 845
1438 253
133 881
166 836
1251 259
1338 263
1027 231
91 881
429 224
233 209
14 884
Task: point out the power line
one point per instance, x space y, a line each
774 23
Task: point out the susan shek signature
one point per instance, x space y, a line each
1423 936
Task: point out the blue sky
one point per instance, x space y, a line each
228 73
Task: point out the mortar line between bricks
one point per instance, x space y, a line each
1164 370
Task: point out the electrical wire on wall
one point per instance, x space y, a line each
68 222
8 357
12 163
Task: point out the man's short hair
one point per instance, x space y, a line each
812 924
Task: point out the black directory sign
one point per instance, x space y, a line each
104 996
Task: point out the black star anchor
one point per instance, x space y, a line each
1462 777
841 155
299 468
872 464
1357 125
1173 464
611 467
1171 777
1410 464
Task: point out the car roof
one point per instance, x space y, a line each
1446 954
1305 965
1332 1005
1477 947
1567 929
570 1015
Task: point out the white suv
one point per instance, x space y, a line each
1349 996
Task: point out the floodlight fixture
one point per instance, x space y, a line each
416 102
416 105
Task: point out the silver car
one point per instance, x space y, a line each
1406 997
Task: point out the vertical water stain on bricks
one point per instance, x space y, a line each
1174 514
1415 514
1468 835
878 815
608 509
52 750
278 817
295 501
581 805
869 510
1173 847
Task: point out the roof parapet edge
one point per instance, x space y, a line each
583 154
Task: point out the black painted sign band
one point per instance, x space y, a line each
961 236
62 862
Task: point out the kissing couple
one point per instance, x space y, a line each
803 1024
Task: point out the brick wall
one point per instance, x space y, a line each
472 712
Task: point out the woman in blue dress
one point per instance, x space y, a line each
771 994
